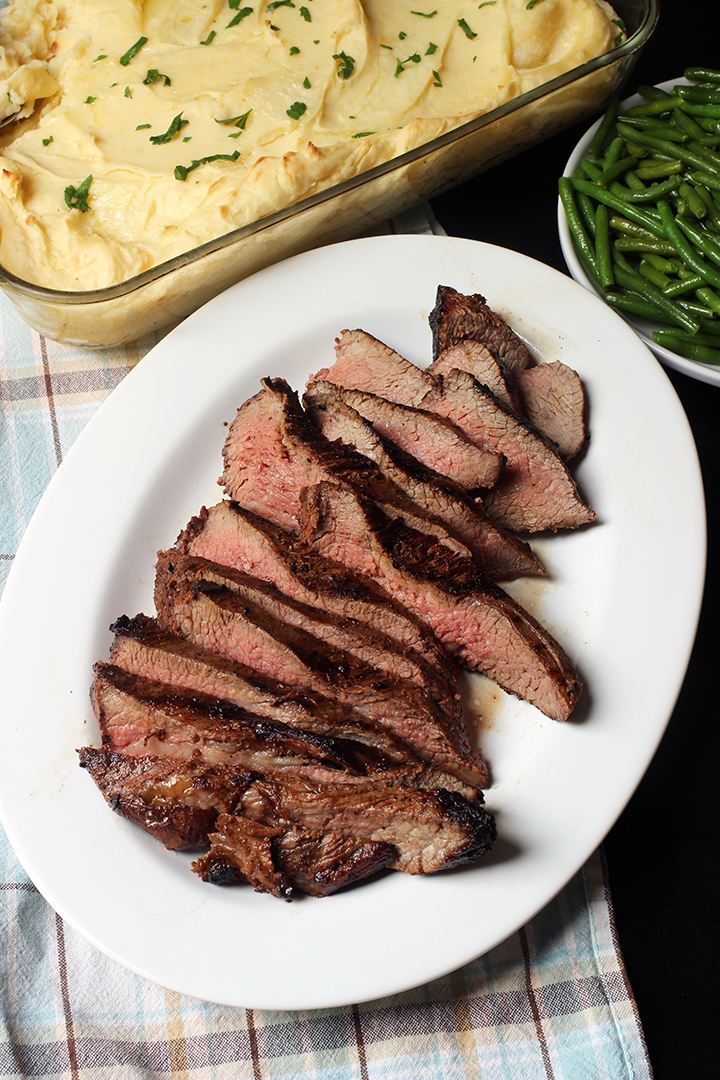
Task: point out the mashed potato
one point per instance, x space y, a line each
146 128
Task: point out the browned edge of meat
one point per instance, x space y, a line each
472 356
498 552
143 647
457 316
175 571
233 536
479 623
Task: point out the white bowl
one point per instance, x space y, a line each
707 373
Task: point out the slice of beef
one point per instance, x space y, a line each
177 802
553 400
429 830
472 356
175 572
364 363
215 619
457 316
549 396
275 859
535 491
233 536
143 647
139 716
479 623
430 439
274 422
500 554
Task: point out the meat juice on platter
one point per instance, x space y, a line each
293 709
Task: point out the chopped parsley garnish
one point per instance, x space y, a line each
209 39
296 110
237 121
346 65
623 31
187 138
128 91
416 58
432 47
424 14
132 51
242 14
153 75
306 14
142 127
89 99
279 3
180 172
46 142
76 197
402 35
466 29
398 69
362 134
382 46
488 3
437 81
532 4
102 56
274 27
294 51
306 83
176 125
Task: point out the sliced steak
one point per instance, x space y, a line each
430 439
429 830
233 536
175 572
535 490
552 398
217 620
274 421
456 316
244 849
364 363
472 356
479 623
139 716
500 554
143 647
177 802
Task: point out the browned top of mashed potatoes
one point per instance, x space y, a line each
194 117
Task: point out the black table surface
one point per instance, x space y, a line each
663 852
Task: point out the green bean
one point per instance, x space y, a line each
697 311
630 227
698 93
654 93
708 179
707 296
707 245
633 305
704 153
603 260
585 245
655 191
587 211
687 125
671 311
636 149
653 170
640 245
616 169
701 74
668 132
695 203
641 217
677 238
700 338
703 353
700 110
660 280
598 140
653 108
667 266
686 285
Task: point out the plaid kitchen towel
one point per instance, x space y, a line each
550 1003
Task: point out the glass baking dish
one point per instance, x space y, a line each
165 294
